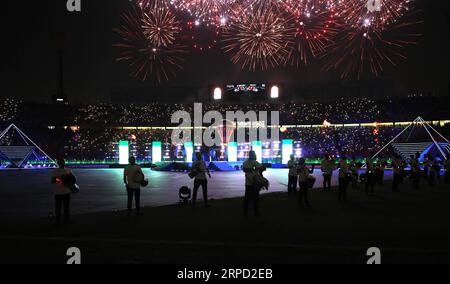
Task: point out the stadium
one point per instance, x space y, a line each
223 133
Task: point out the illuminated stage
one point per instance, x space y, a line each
28 193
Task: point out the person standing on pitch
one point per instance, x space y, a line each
304 175
354 169
447 169
132 177
415 170
397 166
251 168
344 178
293 176
370 176
328 166
434 172
199 167
61 191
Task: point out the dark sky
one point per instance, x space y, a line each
29 65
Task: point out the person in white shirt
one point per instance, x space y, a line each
328 166
132 177
199 167
293 175
61 191
251 168
304 176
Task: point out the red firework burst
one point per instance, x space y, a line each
314 34
371 48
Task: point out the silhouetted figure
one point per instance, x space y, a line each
61 191
434 172
133 177
201 170
437 167
415 170
379 172
251 168
293 176
344 179
447 169
354 169
398 168
370 176
427 163
304 178
328 166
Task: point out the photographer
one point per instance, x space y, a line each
251 169
61 180
133 177
304 177
200 170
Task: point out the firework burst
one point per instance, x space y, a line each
259 40
377 13
160 26
371 49
213 12
313 37
145 58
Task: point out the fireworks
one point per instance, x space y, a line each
211 12
378 13
259 40
352 36
313 36
160 26
370 49
145 57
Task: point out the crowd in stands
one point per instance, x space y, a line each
99 125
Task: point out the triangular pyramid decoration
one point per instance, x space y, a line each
17 148
443 147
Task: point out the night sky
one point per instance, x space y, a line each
30 38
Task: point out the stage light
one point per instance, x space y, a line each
156 152
287 150
275 92
217 94
232 152
124 152
257 147
189 147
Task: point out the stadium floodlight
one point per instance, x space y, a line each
275 92
124 152
156 152
217 94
